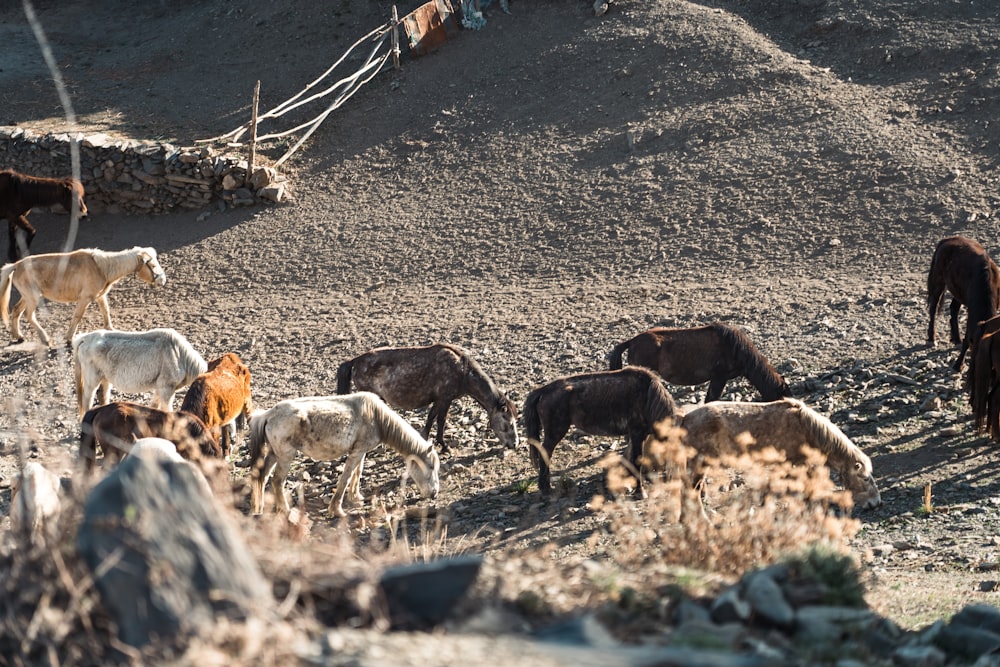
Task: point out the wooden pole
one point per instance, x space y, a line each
395 38
253 131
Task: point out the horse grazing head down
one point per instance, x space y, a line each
426 477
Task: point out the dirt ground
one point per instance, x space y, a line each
544 188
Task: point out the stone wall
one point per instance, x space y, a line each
123 176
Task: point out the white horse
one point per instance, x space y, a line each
325 428
81 277
34 501
716 428
159 360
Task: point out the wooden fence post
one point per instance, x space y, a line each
253 131
395 38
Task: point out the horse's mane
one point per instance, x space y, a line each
477 377
827 437
189 358
659 402
757 368
116 263
28 184
395 431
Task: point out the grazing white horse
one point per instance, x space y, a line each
159 360
716 428
81 277
324 428
34 501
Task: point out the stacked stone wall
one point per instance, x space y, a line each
124 176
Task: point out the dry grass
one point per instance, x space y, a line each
685 539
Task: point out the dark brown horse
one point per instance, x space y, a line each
627 402
408 378
715 353
984 378
220 396
961 266
19 193
116 426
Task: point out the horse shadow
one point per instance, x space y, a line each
114 231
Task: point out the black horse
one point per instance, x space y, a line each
19 193
621 402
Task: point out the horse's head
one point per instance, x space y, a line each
150 270
74 197
425 473
503 421
859 480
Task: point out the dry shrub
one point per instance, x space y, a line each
725 514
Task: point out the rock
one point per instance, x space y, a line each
963 642
767 600
983 616
262 177
729 607
918 656
583 630
165 559
273 193
423 594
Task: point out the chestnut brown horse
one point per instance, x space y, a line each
962 266
715 353
627 402
220 396
19 193
408 378
116 426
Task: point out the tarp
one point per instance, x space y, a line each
429 26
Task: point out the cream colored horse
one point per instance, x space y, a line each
81 277
788 424
324 428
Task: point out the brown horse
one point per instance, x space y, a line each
984 378
962 267
715 353
628 402
408 378
19 193
116 426
220 396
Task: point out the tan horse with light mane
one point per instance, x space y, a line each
81 277
716 428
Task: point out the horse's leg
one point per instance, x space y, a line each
957 366
637 438
102 303
258 482
955 307
353 494
15 321
103 391
17 249
74 321
442 416
555 430
935 292
351 466
715 388
278 483
164 398
31 312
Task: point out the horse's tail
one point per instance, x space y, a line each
615 356
757 369
344 372
6 280
259 449
88 440
532 424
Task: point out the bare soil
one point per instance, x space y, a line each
544 188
